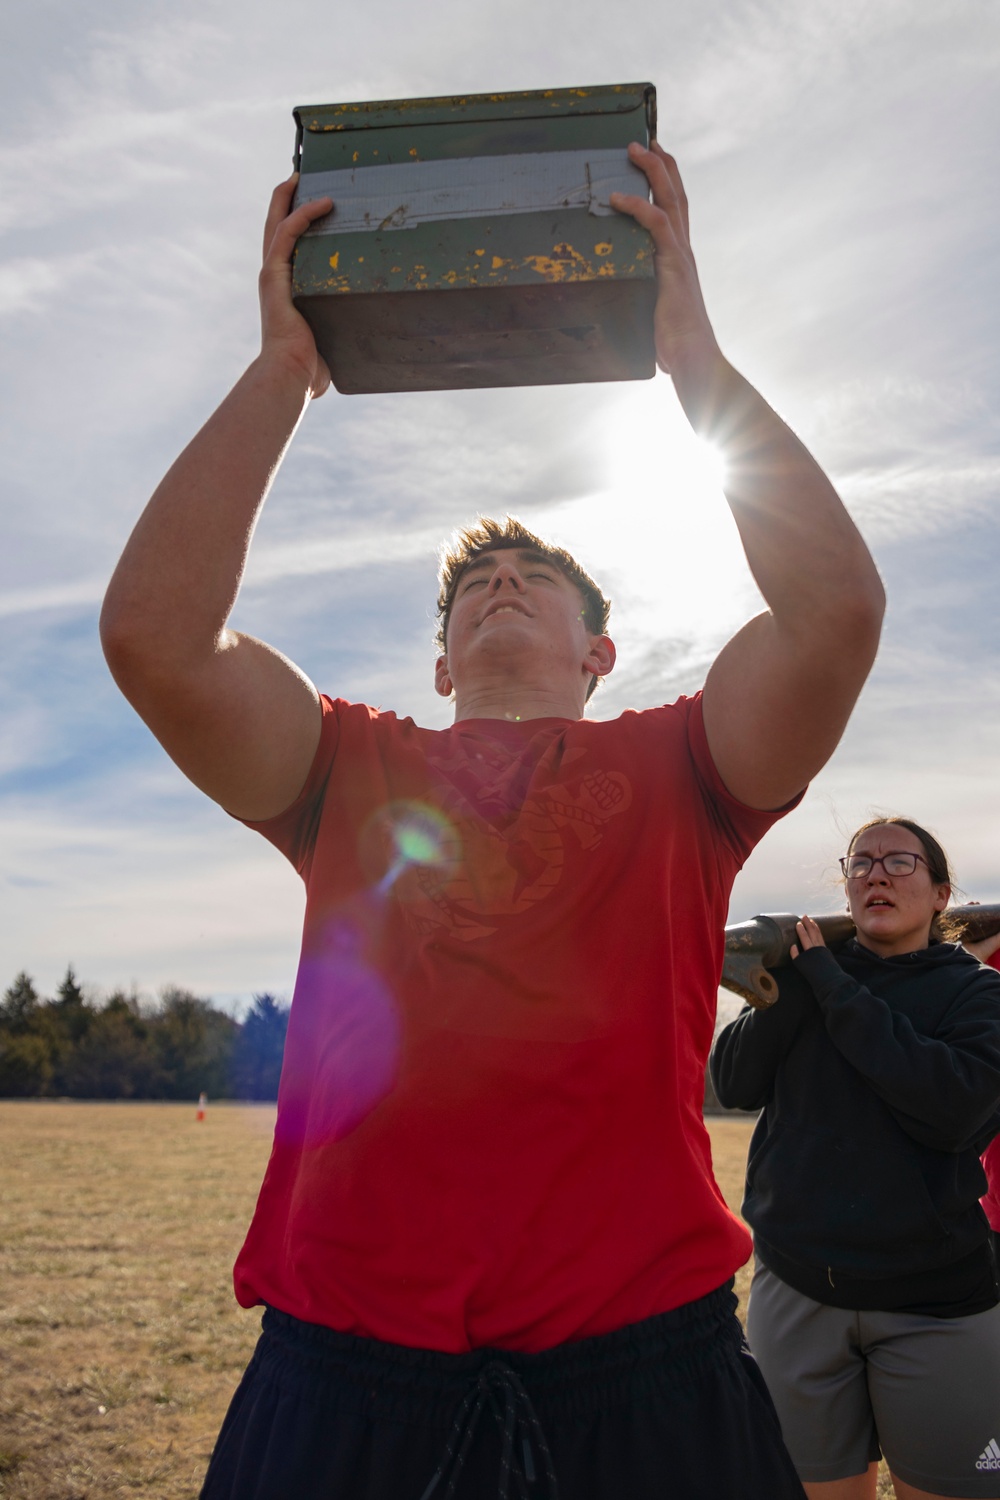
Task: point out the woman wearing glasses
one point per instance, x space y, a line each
875 1307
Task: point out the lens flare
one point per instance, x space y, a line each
344 1036
345 1031
406 836
418 840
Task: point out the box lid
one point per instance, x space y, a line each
530 104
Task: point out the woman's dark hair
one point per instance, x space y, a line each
938 866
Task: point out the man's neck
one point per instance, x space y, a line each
517 703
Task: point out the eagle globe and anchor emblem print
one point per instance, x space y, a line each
490 842
491 847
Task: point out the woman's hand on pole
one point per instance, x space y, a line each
809 936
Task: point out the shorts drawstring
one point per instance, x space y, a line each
516 1418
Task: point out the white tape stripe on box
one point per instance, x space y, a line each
469 187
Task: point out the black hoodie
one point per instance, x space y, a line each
879 1081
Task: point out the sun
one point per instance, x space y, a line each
661 533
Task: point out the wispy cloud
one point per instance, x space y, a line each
122 130
26 284
921 499
334 555
79 593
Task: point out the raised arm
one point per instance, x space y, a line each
780 693
238 718
747 1053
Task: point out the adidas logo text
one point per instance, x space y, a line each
990 1457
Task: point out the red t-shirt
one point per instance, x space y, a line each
489 1124
991 1157
991 1166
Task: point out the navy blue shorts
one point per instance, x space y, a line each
673 1406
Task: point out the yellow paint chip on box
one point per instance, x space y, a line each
472 241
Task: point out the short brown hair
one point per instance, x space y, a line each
938 866
490 535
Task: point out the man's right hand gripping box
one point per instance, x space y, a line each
472 241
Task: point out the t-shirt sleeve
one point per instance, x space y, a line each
991 1200
294 830
740 827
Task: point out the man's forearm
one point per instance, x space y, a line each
803 549
799 667
238 718
178 577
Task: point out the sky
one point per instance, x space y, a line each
841 168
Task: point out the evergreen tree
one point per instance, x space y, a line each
19 1006
72 1013
114 1059
30 1040
259 1050
193 1043
69 992
25 1065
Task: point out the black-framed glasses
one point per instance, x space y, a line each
896 862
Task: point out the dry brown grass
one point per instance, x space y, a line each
120 1340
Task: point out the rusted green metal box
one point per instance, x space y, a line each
472 242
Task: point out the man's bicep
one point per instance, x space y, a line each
776 705
243 727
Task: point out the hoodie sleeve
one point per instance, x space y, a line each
747 1053
942 1090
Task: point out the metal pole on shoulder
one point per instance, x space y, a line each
755 947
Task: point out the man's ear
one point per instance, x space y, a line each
601 655
442 681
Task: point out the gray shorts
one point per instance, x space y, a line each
852 1386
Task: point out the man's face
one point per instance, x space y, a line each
515 610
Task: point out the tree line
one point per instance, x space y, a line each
124 1048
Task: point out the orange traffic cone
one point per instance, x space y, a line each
202 1102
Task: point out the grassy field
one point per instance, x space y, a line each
120 1341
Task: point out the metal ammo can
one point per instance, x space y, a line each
472 241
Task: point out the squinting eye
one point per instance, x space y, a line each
474 583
